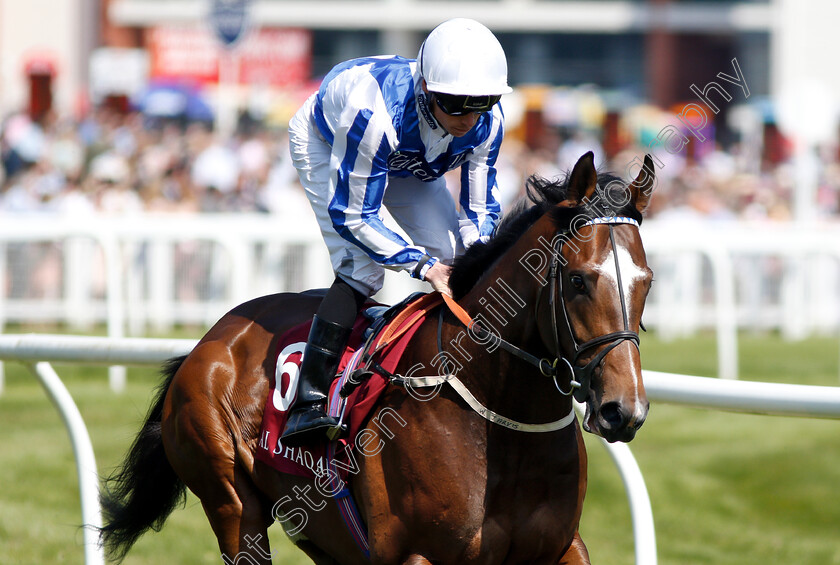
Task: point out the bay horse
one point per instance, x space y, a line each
494 476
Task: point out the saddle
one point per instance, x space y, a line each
379 338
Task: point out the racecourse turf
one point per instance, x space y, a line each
726 488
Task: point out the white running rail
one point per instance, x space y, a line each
37 350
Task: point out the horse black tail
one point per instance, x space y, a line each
142 492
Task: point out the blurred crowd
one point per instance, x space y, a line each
712 183
115 163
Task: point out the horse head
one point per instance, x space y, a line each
598 284
572 251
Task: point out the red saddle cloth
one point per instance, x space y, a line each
310 461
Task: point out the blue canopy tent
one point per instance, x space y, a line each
173 100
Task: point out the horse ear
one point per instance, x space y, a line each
642 187
583 180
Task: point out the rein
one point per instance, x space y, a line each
462 315
580 377
464 392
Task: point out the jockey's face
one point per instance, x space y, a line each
458 126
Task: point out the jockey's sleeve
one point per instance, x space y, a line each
479 199
363 136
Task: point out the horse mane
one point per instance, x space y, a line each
543 195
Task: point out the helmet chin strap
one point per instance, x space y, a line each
430 101
424 102
428 105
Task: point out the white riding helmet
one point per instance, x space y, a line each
463 57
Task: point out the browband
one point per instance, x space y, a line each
611 220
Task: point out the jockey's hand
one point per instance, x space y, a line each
438 277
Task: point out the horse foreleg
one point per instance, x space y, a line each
576 554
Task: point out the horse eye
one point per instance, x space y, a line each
577 283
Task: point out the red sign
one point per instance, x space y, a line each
276 57
40 63
271 57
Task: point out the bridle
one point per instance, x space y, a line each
580 377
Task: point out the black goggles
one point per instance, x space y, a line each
456 105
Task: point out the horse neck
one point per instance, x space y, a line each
504 301
505 297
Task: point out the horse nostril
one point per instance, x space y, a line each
612 415
640 418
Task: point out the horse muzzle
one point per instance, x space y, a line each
614 420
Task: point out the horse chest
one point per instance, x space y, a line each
517 505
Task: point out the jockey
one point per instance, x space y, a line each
382 131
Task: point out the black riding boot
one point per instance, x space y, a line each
308 419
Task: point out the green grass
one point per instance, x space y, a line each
39 494
726 489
